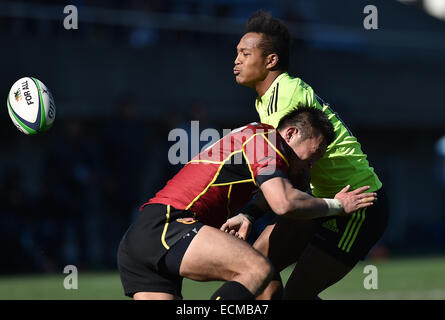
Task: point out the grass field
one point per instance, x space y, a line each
408 278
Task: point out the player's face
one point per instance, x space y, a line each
308 150
250 63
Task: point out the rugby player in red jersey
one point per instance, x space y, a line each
177 232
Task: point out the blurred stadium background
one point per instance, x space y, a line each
136 69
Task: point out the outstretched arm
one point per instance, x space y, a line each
279 195
284 199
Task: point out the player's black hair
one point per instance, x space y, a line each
276 37
306 118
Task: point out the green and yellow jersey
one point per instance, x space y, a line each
344 162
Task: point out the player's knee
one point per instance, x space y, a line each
255 272
262 270
262 274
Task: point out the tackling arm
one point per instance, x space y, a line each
284 199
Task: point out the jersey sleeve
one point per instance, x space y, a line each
265 156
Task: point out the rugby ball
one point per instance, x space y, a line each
31 106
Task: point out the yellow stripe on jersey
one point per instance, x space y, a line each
204 161
165 228
277 151
230 183
247 160
208 186
228 201
250 169
217 174
211 184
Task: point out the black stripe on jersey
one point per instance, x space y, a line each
234 169
276 98
269 106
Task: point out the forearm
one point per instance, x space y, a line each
284 199
303 206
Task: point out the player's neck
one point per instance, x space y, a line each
262 86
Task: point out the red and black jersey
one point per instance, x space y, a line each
223 178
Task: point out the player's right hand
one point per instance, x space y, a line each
356 199
239 226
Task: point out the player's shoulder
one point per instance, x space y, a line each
293 81
265 131
290 90
265 134
253 129
258 127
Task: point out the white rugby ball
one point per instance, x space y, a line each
31 106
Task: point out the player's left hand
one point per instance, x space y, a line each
356 199
238 226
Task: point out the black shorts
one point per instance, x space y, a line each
350 238
150 253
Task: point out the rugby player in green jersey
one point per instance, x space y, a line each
326 249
